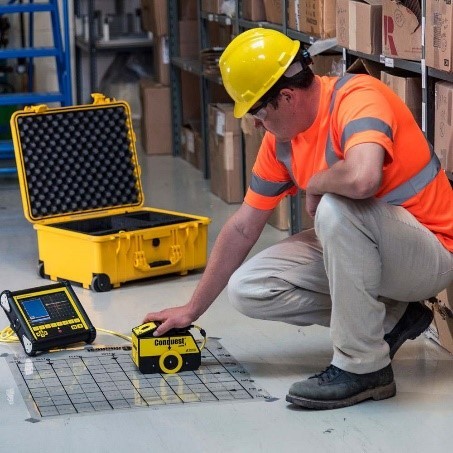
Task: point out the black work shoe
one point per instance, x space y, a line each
335 388
416 320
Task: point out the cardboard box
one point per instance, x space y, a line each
364 66
359 25
443 124
274 11
220 35
439 35
188 9
191 145
190 97
408 88
225 153
342 23
401 31
441 330
212 6
155 16
253 10
156 126
188 39
280 218
316 18
162 60
331 65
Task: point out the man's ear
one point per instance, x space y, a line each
287 94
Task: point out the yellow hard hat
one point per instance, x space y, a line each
252 63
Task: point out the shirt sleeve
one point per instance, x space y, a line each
364 115
270 180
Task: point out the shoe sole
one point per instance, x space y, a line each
379 393
416 330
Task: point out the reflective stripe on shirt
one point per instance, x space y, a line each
414 185
269 188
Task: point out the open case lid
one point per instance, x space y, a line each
76 160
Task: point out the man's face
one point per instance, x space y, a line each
285 120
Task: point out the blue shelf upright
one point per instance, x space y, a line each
60 51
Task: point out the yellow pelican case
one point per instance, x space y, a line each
80 186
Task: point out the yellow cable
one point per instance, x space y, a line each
7 335
203 334
125 337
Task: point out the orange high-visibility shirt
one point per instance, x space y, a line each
362 98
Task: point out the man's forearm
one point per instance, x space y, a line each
358 176
229 251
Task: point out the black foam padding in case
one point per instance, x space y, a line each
112 224
78 160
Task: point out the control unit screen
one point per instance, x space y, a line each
36 311
45 308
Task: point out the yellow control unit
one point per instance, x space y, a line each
47 317
80 186
171 353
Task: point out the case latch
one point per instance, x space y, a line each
36 108
99 99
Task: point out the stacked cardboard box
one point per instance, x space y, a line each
364 66
359 25
439 35
314 18
274 11
253 10
443 125
225 153
156 118
212 6
402 30
408 88
192 145
380 27
155 20
155 17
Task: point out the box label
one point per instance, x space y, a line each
228 156
220 123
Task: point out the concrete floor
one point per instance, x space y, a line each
275 355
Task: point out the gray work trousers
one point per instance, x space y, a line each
355 272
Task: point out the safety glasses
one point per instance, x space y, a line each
259 111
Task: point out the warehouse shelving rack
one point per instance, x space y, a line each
428 76
60 51
93 45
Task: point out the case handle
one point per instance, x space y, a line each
174 258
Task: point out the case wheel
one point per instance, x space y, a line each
101 283
41 270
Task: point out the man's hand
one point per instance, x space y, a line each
311 203
170 318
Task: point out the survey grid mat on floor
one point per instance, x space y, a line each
103 378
